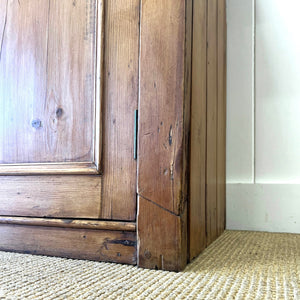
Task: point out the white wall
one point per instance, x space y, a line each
263 115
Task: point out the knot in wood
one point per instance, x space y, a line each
147 254
59 112
36 123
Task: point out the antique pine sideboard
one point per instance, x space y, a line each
112 129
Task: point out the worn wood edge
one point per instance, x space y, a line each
78 168
97 245
161 237
99 84
70 223
181 204
187 111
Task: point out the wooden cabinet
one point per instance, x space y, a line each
112 128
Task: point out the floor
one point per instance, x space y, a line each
239 265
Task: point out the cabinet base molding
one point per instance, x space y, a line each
70 223
99 245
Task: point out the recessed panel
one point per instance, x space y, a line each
48 66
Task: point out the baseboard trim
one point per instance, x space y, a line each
263 207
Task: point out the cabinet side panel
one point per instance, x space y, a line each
197 233
221 143
120 99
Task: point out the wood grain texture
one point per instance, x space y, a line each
197 199
120 100
212 122
162 237
51 196
23 79
48 82
111 246
164 111
221 142
69 223
161 109
71 77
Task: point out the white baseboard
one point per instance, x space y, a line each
263 207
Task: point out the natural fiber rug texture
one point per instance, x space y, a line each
239 265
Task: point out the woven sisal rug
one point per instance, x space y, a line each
239 265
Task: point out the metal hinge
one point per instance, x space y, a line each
135 143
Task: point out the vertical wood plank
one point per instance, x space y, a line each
165 74
221 143
161 132
212 123
197 222
120 100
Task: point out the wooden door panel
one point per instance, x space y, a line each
51 196
50 104
49 98
54 109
